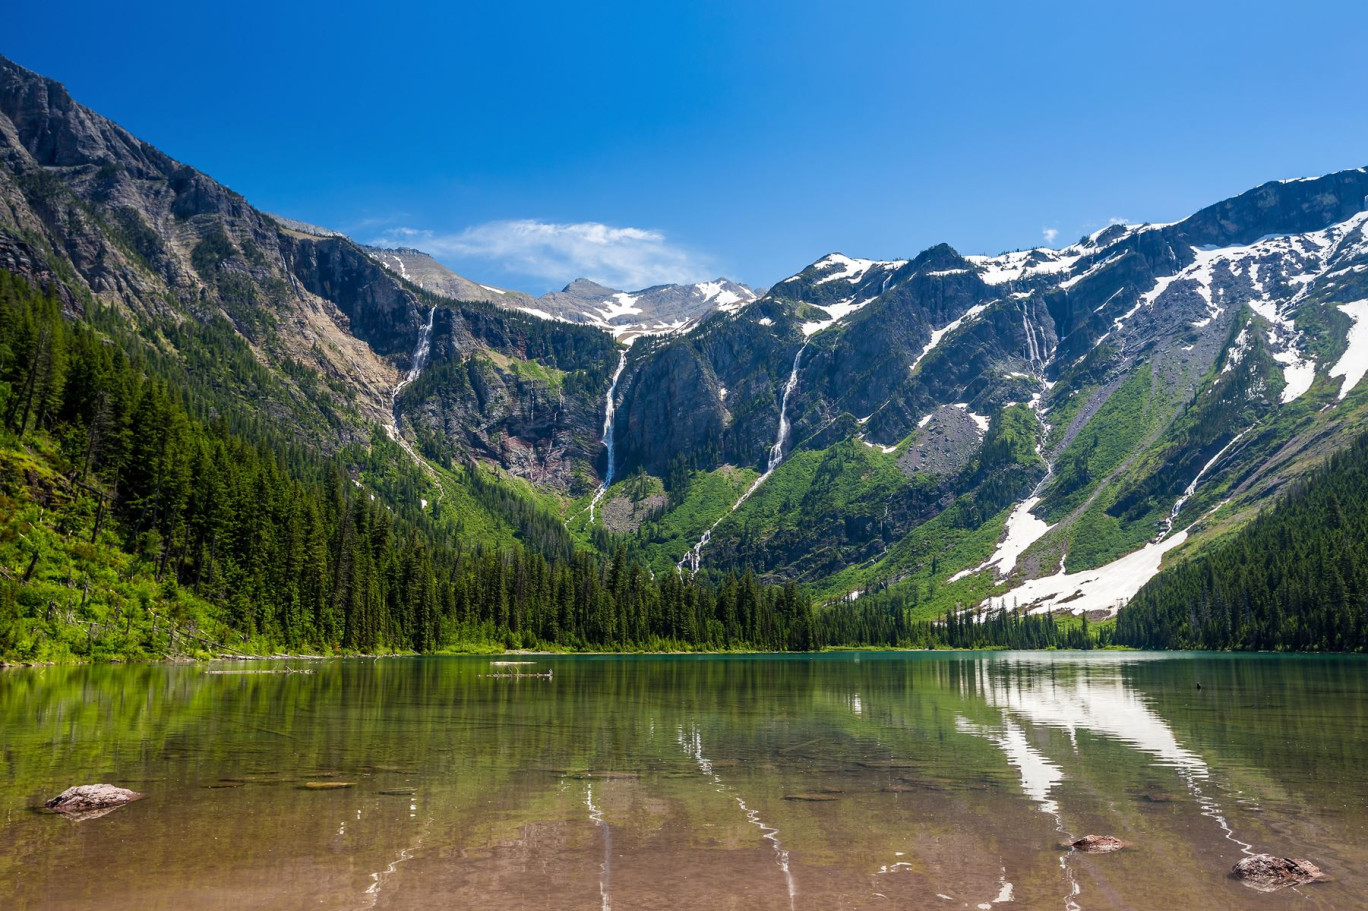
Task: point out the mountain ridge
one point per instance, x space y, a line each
1048 427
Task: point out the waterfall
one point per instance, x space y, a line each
420 359
694 557
777 450
609 416
1192 488
1031 353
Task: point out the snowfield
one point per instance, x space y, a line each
1353 364
1102 589
1021 531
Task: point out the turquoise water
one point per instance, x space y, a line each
858 780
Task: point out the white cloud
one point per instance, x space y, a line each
1049 234
628 258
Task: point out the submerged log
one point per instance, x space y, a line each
1267 873
90 801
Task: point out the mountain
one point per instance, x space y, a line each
294 327
422 270
654 310
1047 428
214 434
650 311
1041 427
1294 579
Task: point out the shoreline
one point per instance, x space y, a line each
229 659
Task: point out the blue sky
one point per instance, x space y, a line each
529 143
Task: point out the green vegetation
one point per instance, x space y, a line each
706 495
1296 578
213 530
870 625
134 529
809 508
1114 432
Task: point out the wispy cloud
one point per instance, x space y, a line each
1049 234
628 258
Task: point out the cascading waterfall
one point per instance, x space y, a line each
694 557
420 359
1035 337
609 416
777 450
1032 354
1192 488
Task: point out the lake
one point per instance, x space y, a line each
854 780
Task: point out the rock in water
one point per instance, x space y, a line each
90 801
1098 844
1266 872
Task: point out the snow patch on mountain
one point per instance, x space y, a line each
835 313
842 266
620 304
838 266
1102 589
724 296
979 420
938 334
1297 373
1020 265
1353 364
657 310
1021 531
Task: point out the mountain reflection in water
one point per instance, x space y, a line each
770 782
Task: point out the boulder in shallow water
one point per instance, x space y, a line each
90 801
1266 872
1098 844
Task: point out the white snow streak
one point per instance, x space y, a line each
1353 364
1021 531
938 334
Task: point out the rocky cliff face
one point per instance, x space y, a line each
88 207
